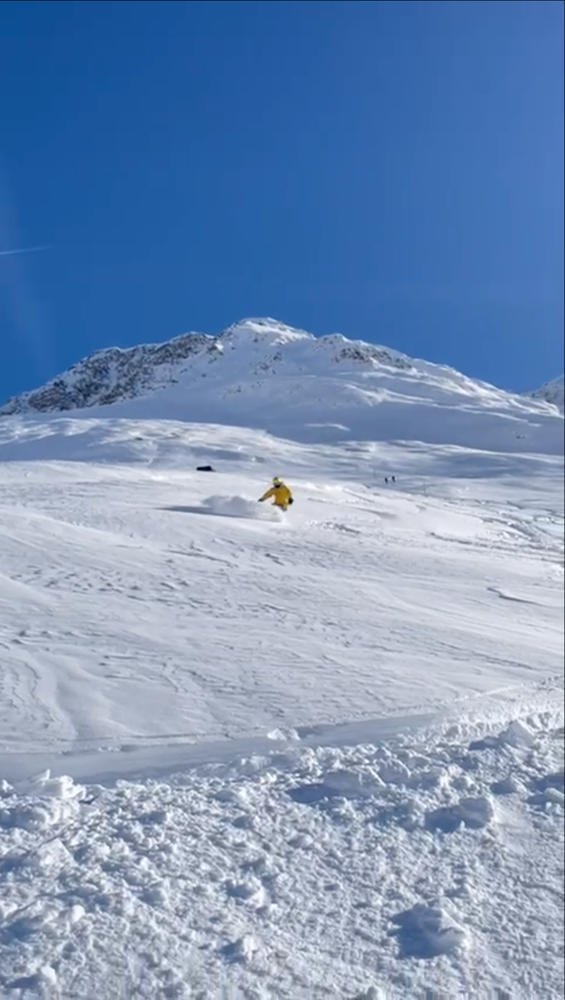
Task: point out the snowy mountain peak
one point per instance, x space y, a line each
264 330
259 345
551 392
261 373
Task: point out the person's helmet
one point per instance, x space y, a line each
276 481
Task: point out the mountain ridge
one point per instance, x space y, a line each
92 382
260 373
551 392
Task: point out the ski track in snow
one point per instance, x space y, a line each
180 620
294 763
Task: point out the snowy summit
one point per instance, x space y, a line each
311 751
552 392
260 373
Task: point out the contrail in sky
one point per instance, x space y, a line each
9 253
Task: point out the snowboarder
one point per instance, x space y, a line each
279 491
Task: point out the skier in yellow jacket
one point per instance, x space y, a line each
280 493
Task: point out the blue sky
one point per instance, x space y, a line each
391 171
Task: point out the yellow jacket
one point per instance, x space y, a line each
281 495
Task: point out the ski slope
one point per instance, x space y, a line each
136 608
253 755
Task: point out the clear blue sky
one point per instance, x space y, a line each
392 171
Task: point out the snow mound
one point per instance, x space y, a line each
50 802
238 506
423 933
472 812
517 735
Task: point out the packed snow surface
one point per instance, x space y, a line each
248 754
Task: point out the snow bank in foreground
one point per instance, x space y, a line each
411 868
238 506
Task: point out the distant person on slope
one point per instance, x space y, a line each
280 493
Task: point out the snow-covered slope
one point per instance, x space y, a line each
263 347
551 392
262 757
338 734
416 864
262 374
